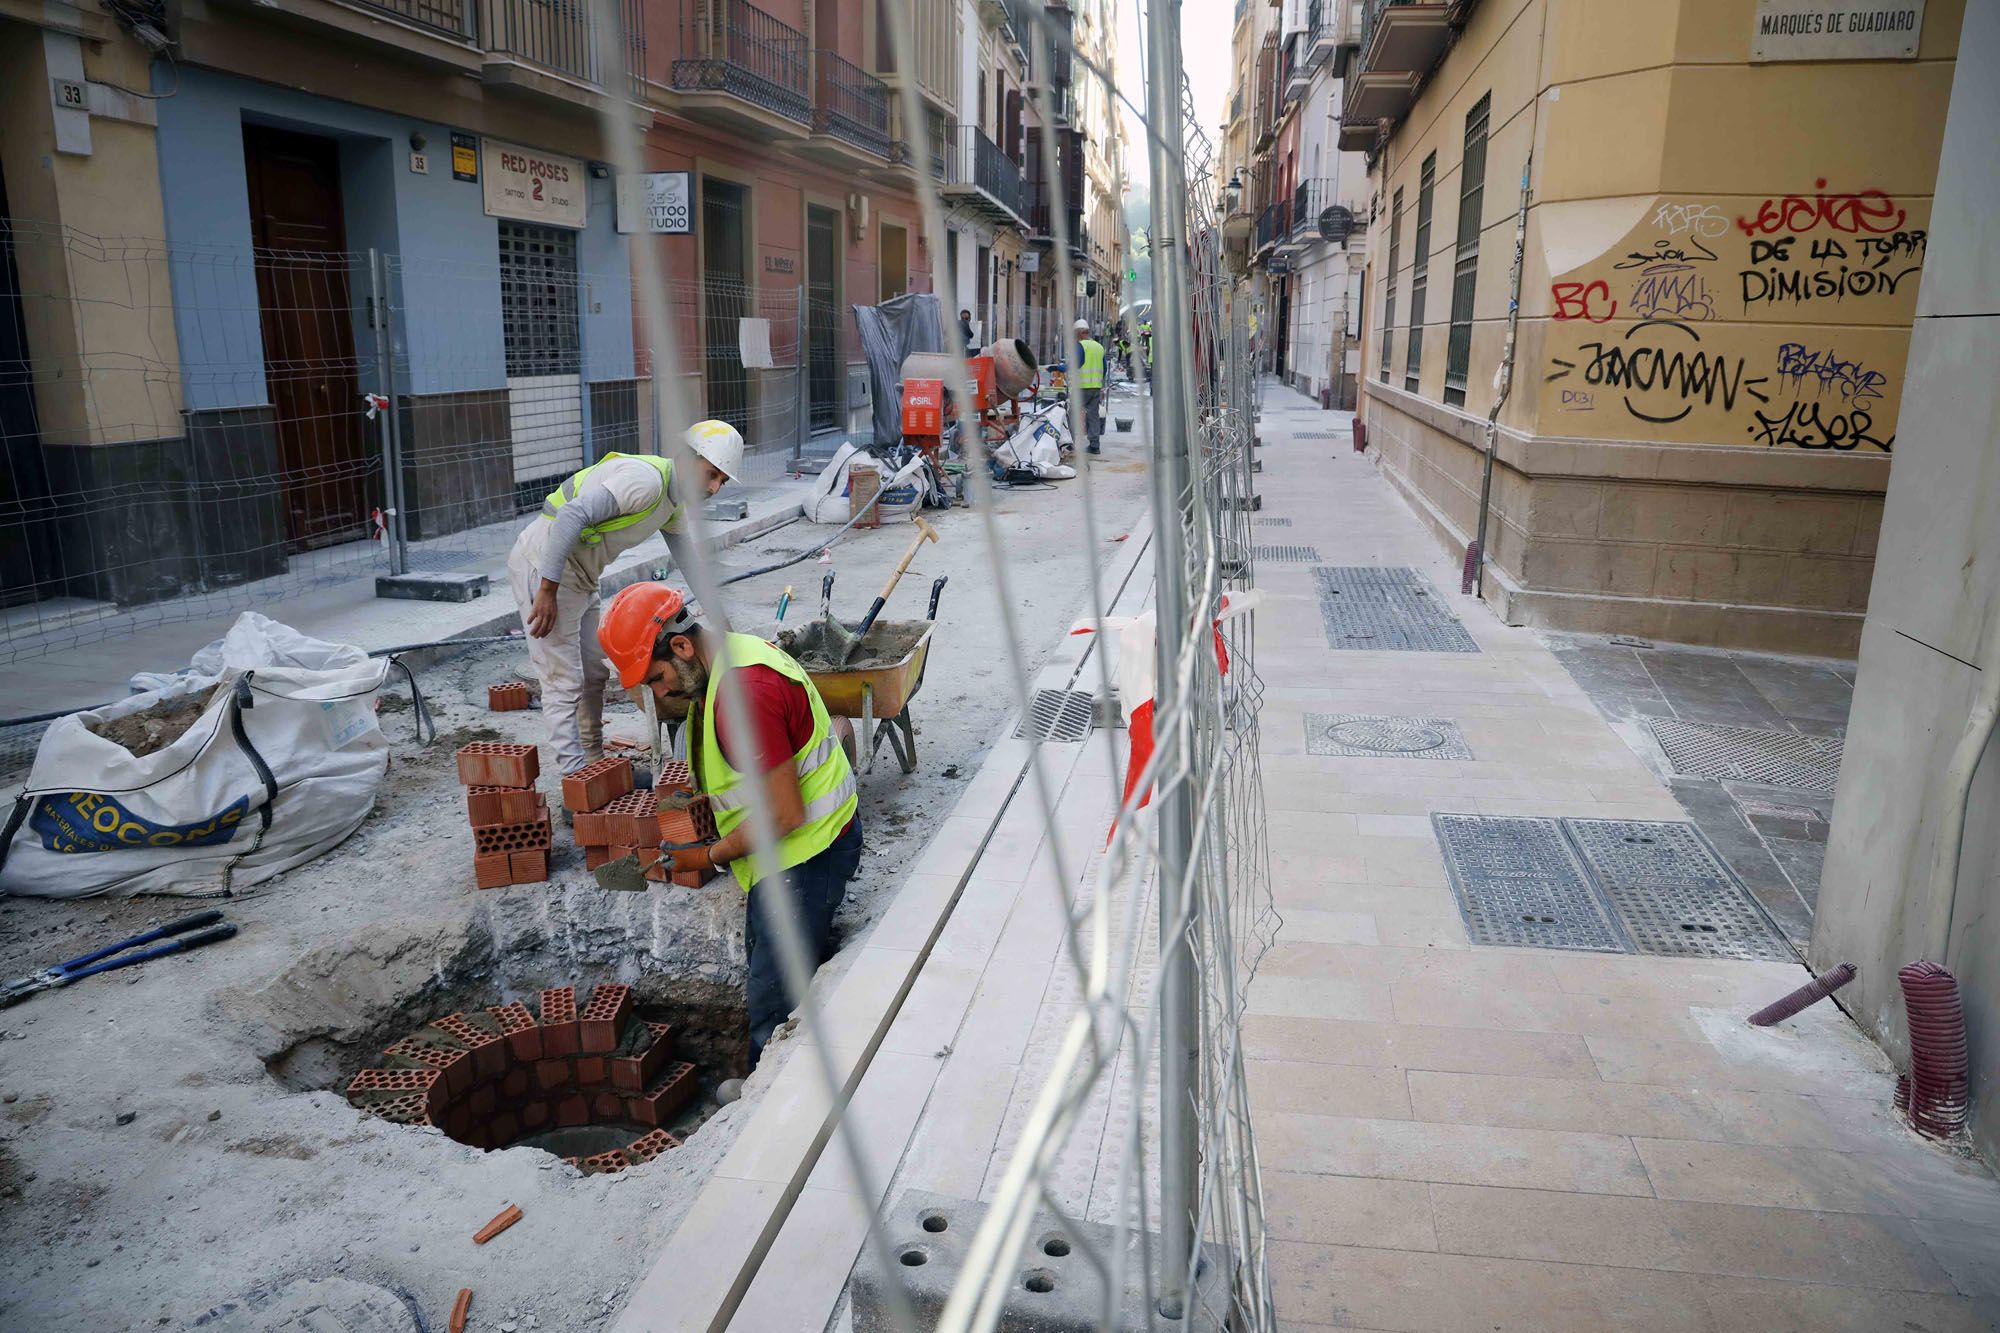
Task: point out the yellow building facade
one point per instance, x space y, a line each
1724 229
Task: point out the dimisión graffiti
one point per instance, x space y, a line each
1773 323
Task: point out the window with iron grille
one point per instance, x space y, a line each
1413 353
538 300
1465 269
1389 301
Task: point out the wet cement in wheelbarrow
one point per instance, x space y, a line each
888 643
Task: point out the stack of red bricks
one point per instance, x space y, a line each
510 821
634 823
490 1077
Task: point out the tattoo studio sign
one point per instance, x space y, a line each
532 186
1837 30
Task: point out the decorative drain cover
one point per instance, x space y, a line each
1518 883
1674 894
1288 555
1063 716
1359 735
1386 608
1750 754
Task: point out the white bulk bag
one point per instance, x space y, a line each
281 765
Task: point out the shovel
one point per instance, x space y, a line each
841 644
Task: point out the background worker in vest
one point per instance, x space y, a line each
1090 383
585 524
790 751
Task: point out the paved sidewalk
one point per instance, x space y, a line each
1459 1137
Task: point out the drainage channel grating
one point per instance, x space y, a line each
1271 522
1288 555
1518 882
1314 435
1362 736
1674 894
1748 754
1064 716
1386 608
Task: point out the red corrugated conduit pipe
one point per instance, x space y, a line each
1804 997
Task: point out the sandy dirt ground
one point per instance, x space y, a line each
174 1148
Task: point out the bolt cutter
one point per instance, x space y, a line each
75 969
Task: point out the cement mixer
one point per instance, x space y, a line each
996 377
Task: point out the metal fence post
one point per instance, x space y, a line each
1172 431
390 430
802 400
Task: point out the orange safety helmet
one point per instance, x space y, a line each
632 625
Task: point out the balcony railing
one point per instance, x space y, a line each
1416 40
852 104
752 56
558 35
453 18
1312 198
1235 107
991 172
1271 225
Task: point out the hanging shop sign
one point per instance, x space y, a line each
528 185
660 202
1837 30
1031 262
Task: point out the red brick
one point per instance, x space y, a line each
631 820
594 857
458 1121
529 837
455 1065
372 1086
674 776
489 1049
558 1022
607 1106
410 1109
591 830
633 1070
483 1100
678 826
605 1163
602 1023
592 1071
572 1111
529 867
517 1082
553 1074
536 1116
662 1101
492 872
505 1128
524 1039
510 697
691 879
595 785
503 805
652 1145
497 764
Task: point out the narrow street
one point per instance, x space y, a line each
1454 1135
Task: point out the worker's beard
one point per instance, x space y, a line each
690 679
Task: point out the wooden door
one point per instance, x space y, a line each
331 477
30 555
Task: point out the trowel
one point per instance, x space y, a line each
625 875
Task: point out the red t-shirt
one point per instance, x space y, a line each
780 716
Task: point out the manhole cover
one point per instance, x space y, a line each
1058 715
1749 754
1271 522
1360 735
1675 896
1518 883
1386 608
1288 555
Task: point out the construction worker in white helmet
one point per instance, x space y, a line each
585 524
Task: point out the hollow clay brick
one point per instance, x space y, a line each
458 1121
607 1106
596 785
590 829
605 1163
558 1022
690 879
503 805
492 872
510 697
489 1049
529 837
455 1065
498 764
674 776
592 1072
661 1102
379 1085
594 857
529 867
631 820
483 1100
644 1052
551 1075
524 1039
517 1082
602 1023
536 1116
505 1128
652 1145
573 1110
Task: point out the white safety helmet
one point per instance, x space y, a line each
1083 326
718 442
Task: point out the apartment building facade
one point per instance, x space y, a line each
1725 216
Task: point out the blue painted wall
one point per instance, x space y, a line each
441 249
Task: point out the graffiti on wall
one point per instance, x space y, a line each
1780 322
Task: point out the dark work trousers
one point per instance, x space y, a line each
1093 417
818 885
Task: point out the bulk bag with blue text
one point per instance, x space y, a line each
282 763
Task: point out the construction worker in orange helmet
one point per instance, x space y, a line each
586 523
784 750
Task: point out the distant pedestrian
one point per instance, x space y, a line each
1089 364
965 332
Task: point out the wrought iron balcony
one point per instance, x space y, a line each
559 36
852 105
988 179
453 18
751 56
1312 198
1272 225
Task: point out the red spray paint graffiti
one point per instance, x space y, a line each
1865 211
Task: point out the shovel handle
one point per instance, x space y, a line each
925 533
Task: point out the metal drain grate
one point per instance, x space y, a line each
1270 522
1315 435
1359 735
1288 555
1674 895
1064 716
1518 883
1748 754
1386 608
